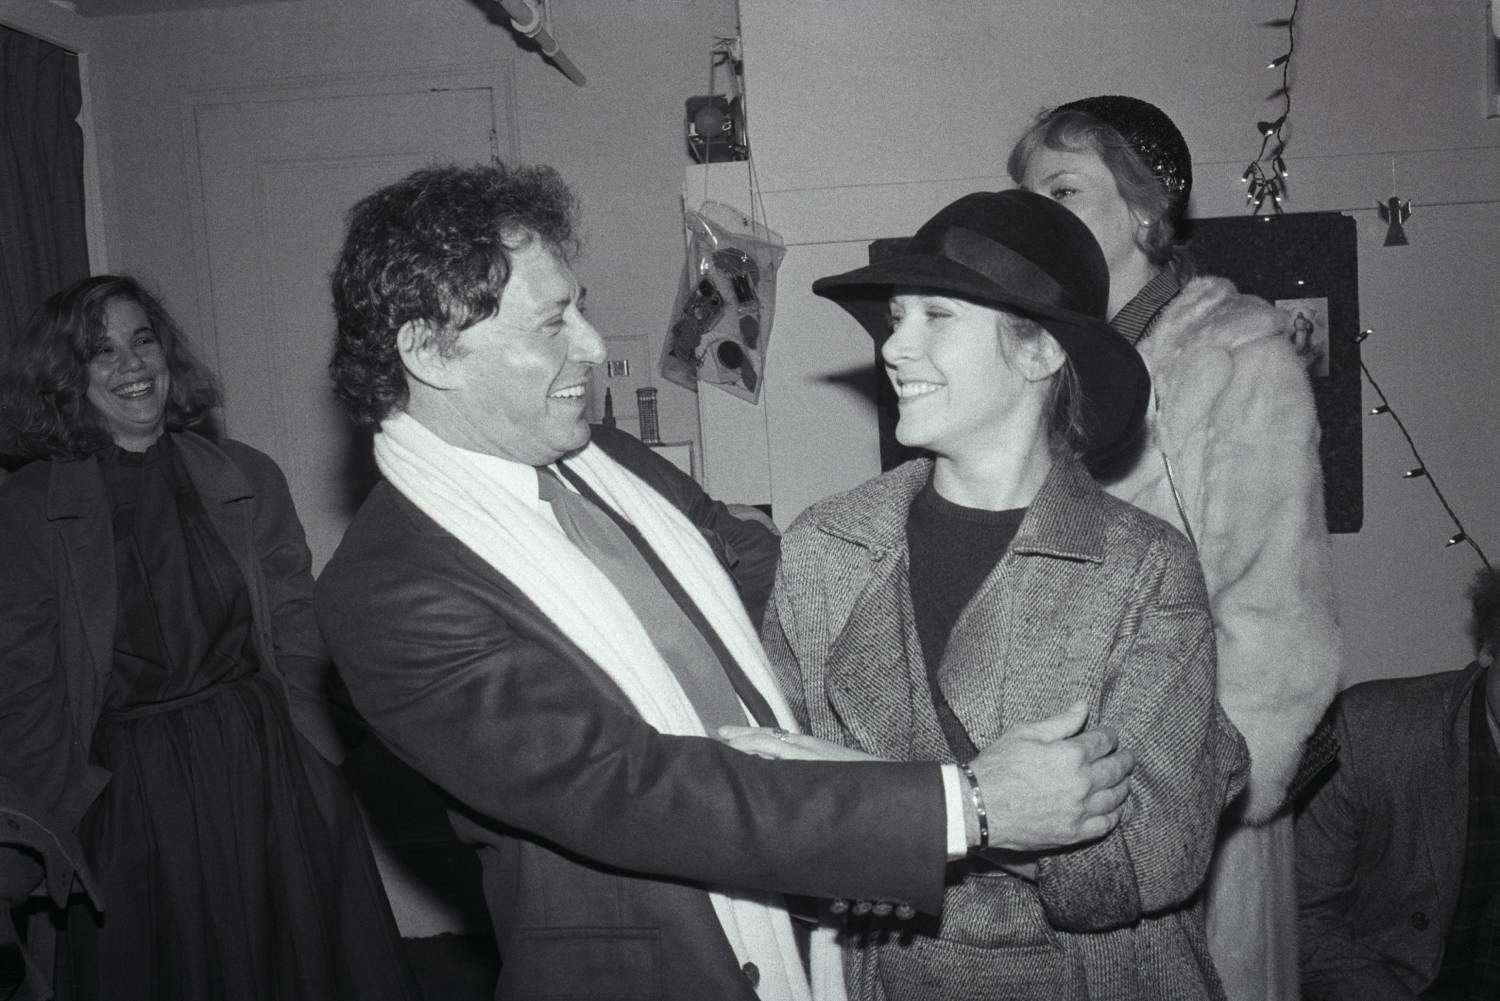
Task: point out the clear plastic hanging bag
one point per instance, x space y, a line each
721 322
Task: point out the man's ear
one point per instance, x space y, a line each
422 357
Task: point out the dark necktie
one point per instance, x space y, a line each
623 555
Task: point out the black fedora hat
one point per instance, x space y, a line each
1021 252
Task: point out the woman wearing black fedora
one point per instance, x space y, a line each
1231 458
925 612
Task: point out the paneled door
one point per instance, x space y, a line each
277 168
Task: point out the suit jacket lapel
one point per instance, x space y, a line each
1446 816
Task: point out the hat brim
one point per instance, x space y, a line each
1114 382
929 271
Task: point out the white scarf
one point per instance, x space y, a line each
459 490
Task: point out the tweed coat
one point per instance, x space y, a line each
1232 411
1094 600
1380 845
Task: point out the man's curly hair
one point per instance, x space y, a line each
433 249
44 377
1484 600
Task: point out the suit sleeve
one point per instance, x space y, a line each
1334 965
314 690
467 682
1159 695
1265 551
748 550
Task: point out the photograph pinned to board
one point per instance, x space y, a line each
721 321
1307 327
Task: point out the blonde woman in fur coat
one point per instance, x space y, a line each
1231 458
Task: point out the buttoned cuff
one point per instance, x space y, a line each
953 803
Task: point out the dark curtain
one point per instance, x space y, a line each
43 242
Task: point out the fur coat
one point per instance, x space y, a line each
1232 416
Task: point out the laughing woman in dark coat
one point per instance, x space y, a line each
160 681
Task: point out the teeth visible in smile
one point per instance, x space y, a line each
133 389
908 390
571 393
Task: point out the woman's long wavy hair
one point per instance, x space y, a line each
44 377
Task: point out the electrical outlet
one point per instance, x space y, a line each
617 368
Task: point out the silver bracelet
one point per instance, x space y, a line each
978 799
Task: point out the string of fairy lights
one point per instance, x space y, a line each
1265 180
1265 177
1419 471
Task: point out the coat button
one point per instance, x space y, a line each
1419 921
752 974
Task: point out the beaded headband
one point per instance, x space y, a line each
1150 133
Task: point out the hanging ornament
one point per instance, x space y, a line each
1394 212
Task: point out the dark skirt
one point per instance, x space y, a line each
233 864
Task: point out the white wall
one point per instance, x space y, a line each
617 140
868 115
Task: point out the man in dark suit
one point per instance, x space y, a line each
532 621
1398 848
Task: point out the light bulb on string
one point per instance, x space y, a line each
1420 470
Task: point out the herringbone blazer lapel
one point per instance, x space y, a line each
1012 655
1030 639
877 679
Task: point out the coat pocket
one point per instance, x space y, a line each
934 969
583 964
994 945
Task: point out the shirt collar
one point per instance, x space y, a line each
516 478
1135 318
